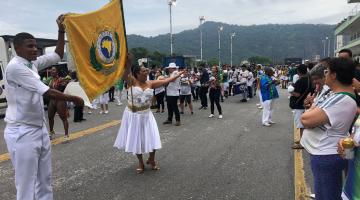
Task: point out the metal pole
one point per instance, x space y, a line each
231 51
324 48
171 35
201 42
219 48
329 47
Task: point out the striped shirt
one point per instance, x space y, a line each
322 140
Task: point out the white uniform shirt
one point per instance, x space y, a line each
250 81
174 86
24 90
244 76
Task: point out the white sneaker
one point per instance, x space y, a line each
266 124
220 116
258 105
66 138
89 112
119 104
271 122
101 112
211 116
106 111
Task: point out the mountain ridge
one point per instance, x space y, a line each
275 41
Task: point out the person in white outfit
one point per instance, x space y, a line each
139 133
104 103
25 134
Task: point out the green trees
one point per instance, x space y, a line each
260 60
156 57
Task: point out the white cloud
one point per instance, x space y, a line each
151 17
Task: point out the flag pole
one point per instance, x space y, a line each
131 80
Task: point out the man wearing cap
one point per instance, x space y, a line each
172 95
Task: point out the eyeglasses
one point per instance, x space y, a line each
326 71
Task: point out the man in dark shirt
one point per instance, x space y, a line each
302 88
204 81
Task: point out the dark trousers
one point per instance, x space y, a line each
327 171
195 92
231 84
214 96
250 91
111 94
202 93
172 107
78 113
160 100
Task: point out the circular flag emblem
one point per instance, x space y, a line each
106 48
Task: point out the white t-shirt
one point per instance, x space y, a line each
250 80
185 86
244 76
173 88
323 140
295 78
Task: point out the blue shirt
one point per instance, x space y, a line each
268 88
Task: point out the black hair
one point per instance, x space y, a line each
302 69
344 69
348 51
135 70
20 37
310 66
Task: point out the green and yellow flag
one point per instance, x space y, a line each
97 42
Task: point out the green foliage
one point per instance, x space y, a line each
156 57
260 60
96 65
213 61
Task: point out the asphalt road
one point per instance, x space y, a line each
230 158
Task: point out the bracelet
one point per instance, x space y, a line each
61 31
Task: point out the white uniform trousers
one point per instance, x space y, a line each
30 152
267 111
260 97
118 96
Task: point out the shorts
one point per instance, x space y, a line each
186 98
297 118
104 98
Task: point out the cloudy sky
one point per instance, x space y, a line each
151 17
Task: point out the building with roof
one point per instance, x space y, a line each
347 32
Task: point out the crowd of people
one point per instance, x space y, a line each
323 96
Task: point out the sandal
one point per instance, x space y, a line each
140 170
297 146
153 164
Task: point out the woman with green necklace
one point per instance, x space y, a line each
325 124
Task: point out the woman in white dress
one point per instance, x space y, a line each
139 132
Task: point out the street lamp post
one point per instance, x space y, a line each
231 49
202 19
221 28
171 3
324 42
328 38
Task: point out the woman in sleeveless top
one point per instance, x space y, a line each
58 106
139 133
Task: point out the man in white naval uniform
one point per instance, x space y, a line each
25 133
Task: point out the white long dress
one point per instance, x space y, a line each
138 133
